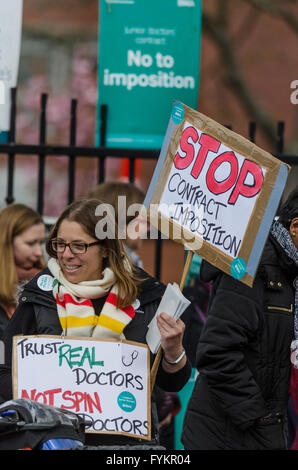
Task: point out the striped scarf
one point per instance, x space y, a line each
283 237
75 309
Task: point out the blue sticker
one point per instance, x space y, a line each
178 113
127 401
238 268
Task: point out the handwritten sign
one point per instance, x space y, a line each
105 381
215 192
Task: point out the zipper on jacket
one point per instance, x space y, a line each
284 309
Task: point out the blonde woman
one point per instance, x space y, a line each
22 233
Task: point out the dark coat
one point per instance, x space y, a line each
3 321
37 314
243 359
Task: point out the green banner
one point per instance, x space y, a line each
149 55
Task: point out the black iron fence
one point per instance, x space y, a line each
101 153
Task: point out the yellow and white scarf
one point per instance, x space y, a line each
75 309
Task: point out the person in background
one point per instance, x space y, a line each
240 398
22 235
109 193
168 405
117 301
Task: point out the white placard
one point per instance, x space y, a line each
10 43
202 195
105 381
215 192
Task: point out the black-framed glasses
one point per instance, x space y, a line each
77 248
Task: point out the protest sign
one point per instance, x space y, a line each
215 191
10 44
105 381
149 54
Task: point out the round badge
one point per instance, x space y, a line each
136 304
238 268
45 282
178 113
127 401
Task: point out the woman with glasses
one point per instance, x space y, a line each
91 289
22 236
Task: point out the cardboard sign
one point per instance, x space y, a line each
105 381
215 192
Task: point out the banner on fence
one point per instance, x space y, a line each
149 53
106 381
215 192
10 44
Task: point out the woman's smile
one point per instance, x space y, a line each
71 268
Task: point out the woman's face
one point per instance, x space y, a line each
27 247
82 267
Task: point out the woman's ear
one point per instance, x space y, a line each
104 252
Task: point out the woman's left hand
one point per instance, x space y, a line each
171 332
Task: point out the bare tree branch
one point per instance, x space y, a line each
234 77
246 27
278 9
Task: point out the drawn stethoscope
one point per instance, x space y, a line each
133 357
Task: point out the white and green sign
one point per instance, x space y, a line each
103 380
149 54
10 42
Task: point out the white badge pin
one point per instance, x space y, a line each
45 282
136 304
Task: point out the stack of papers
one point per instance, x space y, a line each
173 303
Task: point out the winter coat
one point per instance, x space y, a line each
3 321
240 397
37 314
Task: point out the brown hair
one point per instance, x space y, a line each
84 213
14 220
289 209
109 191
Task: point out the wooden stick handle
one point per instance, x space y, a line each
155 367
186 269
158 356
